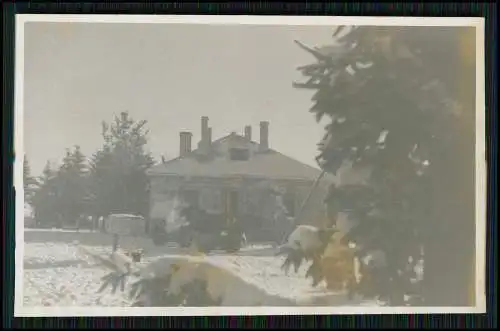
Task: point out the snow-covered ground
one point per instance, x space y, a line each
58 230
58 274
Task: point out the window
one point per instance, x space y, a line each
289 202
192 197
159 186
211 200
239 154
232 203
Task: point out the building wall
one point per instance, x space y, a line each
164 189
314 212
254 198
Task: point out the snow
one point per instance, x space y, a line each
382 137
58 230
266 273
58 274
28 210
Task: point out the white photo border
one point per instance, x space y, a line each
480 154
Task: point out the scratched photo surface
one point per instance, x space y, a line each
191 166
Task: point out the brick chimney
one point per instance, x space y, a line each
248 132
185 143
264 136
205 135
204 127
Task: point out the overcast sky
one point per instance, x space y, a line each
78 74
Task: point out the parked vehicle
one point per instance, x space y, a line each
207 231
125 225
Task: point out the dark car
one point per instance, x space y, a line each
229 240
207 231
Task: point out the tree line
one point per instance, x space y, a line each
111 180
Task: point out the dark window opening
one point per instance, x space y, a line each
232 204
192 197
289 201
239 154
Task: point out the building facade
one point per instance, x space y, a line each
239 178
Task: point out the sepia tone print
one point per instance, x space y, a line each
310 168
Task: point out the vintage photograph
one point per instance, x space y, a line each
266 165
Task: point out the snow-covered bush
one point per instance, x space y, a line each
306 242
183 280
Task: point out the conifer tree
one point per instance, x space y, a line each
72 186
119 183
29 182
45 197
401 102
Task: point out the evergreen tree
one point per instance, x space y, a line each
29 182
401 102
44 201
72 187
118 170
99 180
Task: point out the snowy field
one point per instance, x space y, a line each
59 274
56 274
